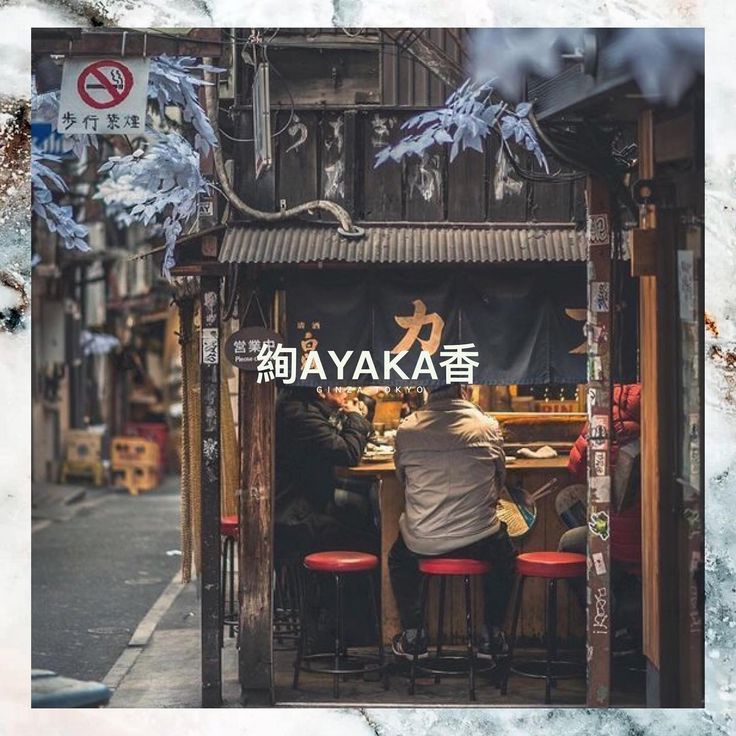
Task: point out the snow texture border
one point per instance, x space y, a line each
720 435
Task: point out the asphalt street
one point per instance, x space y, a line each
96 575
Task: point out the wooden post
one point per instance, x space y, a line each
599 444
660 495
255 557
209 372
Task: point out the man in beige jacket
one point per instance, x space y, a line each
450 460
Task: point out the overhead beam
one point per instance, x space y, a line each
109 42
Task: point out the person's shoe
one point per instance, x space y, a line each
494 645
409 644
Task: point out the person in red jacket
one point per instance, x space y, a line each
625 523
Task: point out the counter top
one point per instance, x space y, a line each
387 466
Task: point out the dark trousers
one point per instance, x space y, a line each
403 565
343 530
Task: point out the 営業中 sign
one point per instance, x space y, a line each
243 346
103 96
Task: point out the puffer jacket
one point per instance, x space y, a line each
626 525
311 440
626 425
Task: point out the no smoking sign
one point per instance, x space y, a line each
103 96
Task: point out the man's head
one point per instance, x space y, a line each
452 391
336 397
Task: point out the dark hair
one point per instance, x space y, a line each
301 393
448 391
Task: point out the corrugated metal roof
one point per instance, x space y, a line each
487 243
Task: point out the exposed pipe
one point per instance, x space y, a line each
347 227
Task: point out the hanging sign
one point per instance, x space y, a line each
242 347
103 96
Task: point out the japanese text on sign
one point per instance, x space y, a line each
281 363
103 96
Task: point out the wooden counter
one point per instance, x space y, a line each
544 536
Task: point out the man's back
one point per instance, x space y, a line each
449 456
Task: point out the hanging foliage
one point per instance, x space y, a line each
171 82
160 184
467 118
59 218
45 109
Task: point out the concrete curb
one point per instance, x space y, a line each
143 633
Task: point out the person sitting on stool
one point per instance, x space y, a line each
450 460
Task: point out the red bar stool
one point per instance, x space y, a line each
552 566
229 533
339 662
443 567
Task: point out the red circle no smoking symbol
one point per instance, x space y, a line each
104 84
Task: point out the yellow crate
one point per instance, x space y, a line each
93 471
83 446
133 451
135 478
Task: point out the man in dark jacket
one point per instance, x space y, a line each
317 431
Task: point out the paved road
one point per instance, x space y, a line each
96 575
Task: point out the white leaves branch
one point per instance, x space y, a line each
171 81
468 117
160 184
59 219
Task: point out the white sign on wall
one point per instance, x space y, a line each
103 96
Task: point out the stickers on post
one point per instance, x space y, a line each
210 346
600 296
599 563
598 432
598 232
598 524
600 488
599 463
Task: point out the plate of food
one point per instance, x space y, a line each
378 453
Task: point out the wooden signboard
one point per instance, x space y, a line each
242 347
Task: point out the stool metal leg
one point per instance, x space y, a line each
302 634
551 638
514 623
469 627
223 578
338 635
441 622
379 631
232 586
278 605
415 657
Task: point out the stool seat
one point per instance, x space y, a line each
229 526
339 663
340 561
453 566
551 564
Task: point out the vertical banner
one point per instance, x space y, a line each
328 311
505 314
599 446
415 311
526 324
